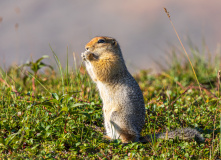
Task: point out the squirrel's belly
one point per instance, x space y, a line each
90 70
104 93
109 106
111 130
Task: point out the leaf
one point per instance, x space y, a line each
61 100
2 141
43 57
55 101
64 109
33 148
47 103
55 96
56 119
35 66
26 64
77 144
82 113
47 127
41 64
72 105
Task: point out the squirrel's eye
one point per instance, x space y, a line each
101 41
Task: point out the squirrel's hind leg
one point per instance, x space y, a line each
126 138
124 131
107 137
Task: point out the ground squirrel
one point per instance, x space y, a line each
123 103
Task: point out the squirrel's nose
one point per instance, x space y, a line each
87 48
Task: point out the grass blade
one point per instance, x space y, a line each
59 67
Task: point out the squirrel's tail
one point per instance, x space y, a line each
183 133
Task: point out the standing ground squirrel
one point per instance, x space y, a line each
123 103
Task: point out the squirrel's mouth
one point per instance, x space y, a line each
87 55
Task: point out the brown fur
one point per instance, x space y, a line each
108 64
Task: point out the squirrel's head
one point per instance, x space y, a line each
99 45
105 55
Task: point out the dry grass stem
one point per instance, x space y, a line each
183 49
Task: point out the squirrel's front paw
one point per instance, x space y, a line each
83 56
87 55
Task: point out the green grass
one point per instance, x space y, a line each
57 119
